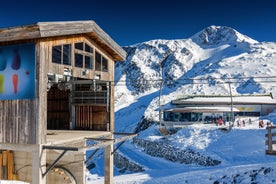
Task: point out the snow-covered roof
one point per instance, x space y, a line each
203 109
226 100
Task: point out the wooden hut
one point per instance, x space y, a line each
56 92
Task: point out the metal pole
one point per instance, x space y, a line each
232 114
160 110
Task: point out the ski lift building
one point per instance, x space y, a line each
56 93
207 109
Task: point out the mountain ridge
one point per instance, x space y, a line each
220 34
165 69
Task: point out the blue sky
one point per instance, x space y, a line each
134 21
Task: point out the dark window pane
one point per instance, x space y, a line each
104 64
67 54
78 60
88 48
98 58
79 46
56 54
88 62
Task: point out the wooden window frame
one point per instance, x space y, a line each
85 54
62 54
103 67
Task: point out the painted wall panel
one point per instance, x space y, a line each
17 72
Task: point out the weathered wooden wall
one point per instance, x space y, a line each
17 118
91 118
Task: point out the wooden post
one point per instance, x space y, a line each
38 165
108 163
5 163
10 165
1 165
269 139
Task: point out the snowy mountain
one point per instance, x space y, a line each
202 64
159 71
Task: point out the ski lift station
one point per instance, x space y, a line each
208 109
56 95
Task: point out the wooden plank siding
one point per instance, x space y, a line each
17 121
91 118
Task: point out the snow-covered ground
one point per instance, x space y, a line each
241 152
204 64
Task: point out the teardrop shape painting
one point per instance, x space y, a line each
15 83
16 60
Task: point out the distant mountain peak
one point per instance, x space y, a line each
214 35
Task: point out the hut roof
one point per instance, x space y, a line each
65 28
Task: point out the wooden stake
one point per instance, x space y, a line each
5 163
10 165
1 165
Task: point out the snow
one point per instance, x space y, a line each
212 57
241 151
219 54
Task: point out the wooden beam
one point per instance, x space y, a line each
270 142
108 163
1 165
38 165
5 163
101 143
19 147
272 134
269 152
10 165
271 127
124 136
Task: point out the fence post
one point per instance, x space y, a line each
269 139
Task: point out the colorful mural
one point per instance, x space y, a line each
17 72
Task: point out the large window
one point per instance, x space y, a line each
183 117
83 55
61 54
101 63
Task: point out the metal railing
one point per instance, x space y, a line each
89 97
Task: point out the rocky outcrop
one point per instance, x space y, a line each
168 152
125 165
